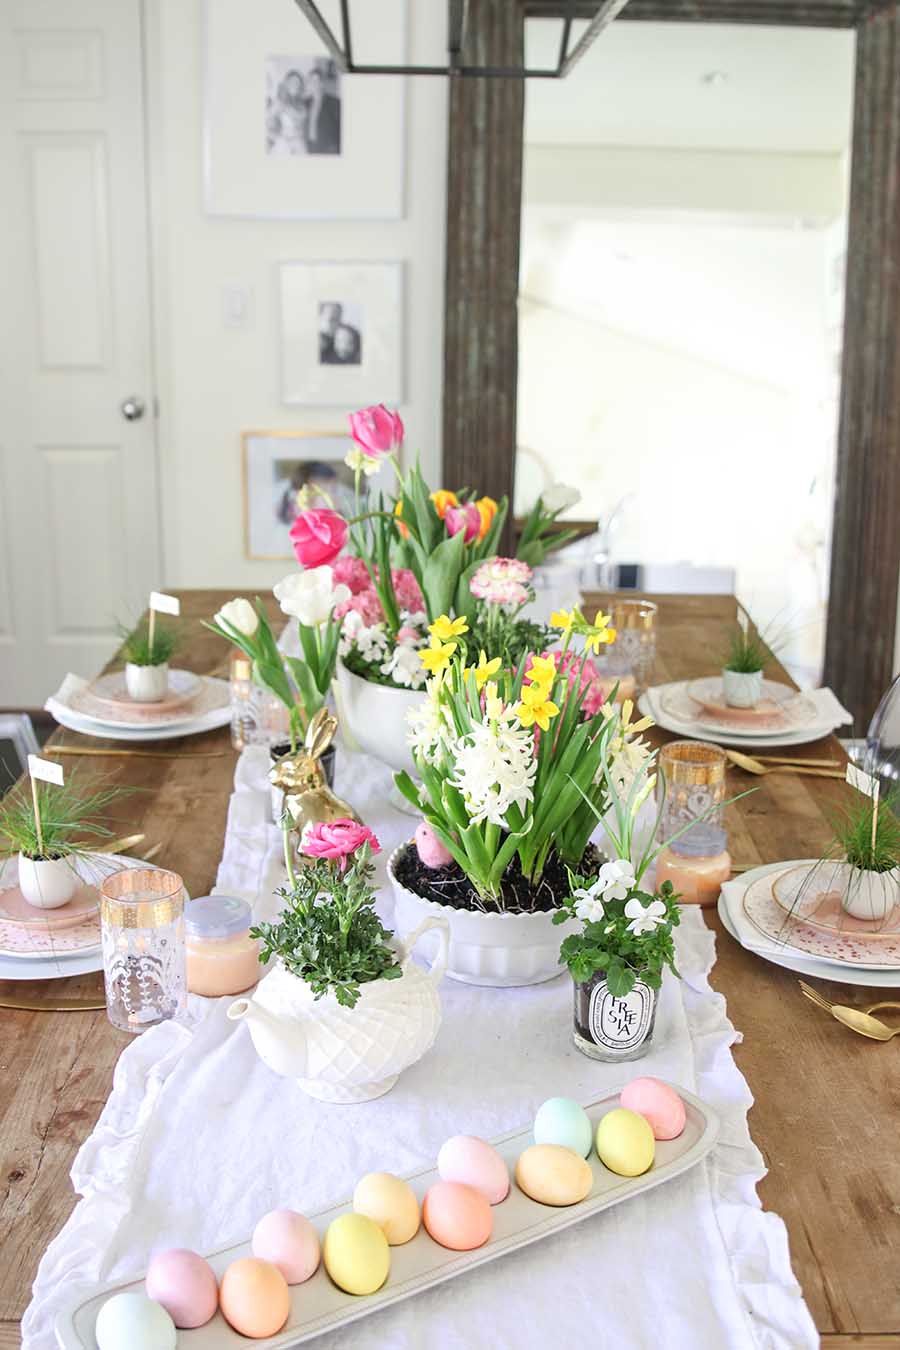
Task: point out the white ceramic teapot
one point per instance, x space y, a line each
342 1054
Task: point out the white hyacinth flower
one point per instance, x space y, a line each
495 768
644 918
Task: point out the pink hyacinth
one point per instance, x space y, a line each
366 604
406 588
351 572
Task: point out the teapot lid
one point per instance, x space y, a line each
217 916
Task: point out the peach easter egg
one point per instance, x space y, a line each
553 1174
389 1202
254 1297
657 1103
457 1216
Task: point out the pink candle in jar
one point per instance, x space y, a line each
697 878
222 957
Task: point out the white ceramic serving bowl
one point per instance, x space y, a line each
493 949
47 883
373 718
743 688
147 684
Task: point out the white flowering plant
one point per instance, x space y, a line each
310 597
540 534
512 770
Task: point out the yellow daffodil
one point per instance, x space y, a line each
398 511
542 670
630 728
483 671
599 634
436 656
535 707
562 619
446 628
442 499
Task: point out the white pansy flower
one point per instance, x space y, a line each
588 908
614 880
355 459
559 497
404 667
311 595
241 615
644 918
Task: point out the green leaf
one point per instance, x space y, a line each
441 575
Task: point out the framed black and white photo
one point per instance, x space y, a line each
342 333
286 135
277 466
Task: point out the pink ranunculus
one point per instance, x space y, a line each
352 572
466 518
318 536
337 839
376 431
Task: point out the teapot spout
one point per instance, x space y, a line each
280 1042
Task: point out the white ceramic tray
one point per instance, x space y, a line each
319 1306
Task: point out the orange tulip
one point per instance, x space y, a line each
487 509
398 511
442 499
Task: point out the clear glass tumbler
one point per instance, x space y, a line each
634 650
142 927
692 777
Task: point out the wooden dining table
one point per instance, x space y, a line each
824 1099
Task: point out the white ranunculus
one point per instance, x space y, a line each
311 595
241 615
559 497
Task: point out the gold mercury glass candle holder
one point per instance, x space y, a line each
692 779
634 650
142 931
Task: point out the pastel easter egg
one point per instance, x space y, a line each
457 1216
290 1242
431 851
625 1142
254 1297
389 1202
658 1103
553 1175
185 1285
468 1159
134 1321
562 1121
356 1254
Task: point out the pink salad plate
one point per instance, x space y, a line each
840 946
15 911
813 892
703 701
111 692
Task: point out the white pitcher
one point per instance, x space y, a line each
342 1054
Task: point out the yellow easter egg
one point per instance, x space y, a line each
625 1142
356 1254
391 1203
553 1175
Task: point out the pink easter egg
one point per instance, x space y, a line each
185 1285
289 1242
658 1103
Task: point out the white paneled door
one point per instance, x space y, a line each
79 516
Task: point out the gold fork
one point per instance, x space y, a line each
859 1020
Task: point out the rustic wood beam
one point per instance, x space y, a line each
782 13
865 550
484 195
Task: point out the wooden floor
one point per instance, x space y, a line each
826 1111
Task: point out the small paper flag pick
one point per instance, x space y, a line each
165 604
49 772
865 782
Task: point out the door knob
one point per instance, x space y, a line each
132 409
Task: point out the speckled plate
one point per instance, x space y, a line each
195 698
813 891
111 691
835 945
782 709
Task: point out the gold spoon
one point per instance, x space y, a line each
854 1018
751 765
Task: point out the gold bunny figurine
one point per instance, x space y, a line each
308 799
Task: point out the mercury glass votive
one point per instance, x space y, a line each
634 651
142 931
697 862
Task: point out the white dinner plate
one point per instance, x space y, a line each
696 731
808 965
218 717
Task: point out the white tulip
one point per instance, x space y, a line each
311 595
559 497
240 614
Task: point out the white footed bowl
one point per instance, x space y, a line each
869 895
373 718
147 684
47 883
492 949
743 688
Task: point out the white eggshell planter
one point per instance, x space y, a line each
742 688
869 895
147 684
373 718
499 950
47 883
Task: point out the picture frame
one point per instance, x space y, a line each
276 464
286 136
341 340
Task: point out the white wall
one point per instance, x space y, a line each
214 381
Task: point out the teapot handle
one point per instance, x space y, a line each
439 965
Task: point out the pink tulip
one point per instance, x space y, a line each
337 839
466 518
376 431
318 537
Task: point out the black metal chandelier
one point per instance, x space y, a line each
341 50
